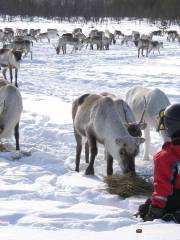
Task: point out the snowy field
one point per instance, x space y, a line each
41 196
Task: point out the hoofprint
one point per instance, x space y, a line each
41 195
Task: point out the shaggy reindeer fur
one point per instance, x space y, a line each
96 118
10 111
142 44
156 101
10 59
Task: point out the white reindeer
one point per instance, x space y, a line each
52 32
10 59
156 100
96 118
10 111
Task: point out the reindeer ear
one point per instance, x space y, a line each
118 140
141 140
143 125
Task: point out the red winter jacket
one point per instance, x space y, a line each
166 162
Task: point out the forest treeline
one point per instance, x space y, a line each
153 9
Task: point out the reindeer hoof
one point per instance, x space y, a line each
89 171
109 173
77 169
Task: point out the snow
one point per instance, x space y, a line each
41 196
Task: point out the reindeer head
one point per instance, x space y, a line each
128 149
17 54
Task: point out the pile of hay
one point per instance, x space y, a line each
128 185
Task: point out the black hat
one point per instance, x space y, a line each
172 120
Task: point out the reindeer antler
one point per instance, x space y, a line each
145 106
125 111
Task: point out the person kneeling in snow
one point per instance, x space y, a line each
164 202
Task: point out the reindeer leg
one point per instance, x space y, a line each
16 71
87 152
11 74
147 143
16 135
78 149
25 54
142 52
73 50
109 159
93 151
4 73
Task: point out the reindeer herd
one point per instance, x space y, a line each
99 118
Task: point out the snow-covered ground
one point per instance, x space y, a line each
41 196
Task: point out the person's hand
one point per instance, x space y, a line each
143 209
153 213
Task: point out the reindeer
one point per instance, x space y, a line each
156 33
136 35
118 33
155 45
156 100
60 46
77 30
52 33
142 44
9 33
68 40
10 111
43 36
95 40
10 58
110 36
96 118
21 32
127 39
93 33
1 36
80 36
172 35
22 45
127 118
146 37
34 32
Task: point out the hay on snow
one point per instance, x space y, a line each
129 185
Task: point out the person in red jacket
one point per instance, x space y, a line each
164 202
